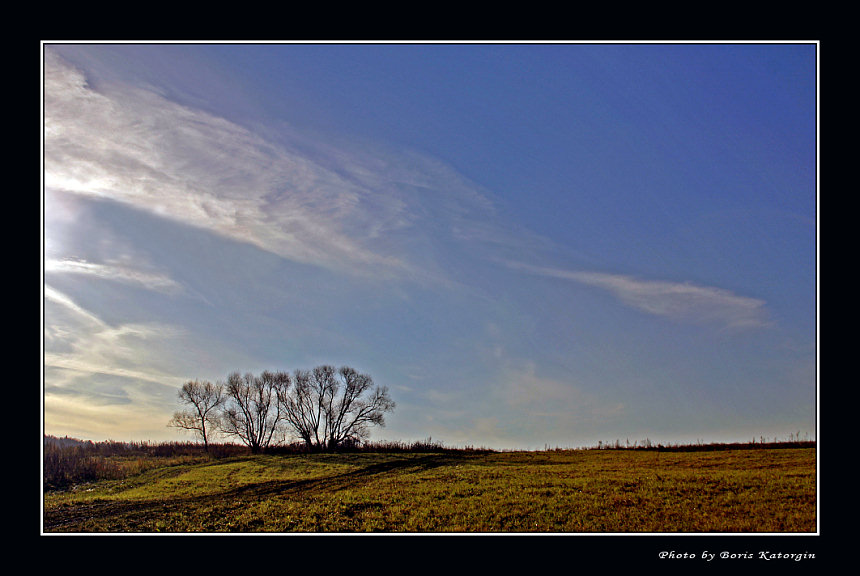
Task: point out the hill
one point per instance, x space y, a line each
564 491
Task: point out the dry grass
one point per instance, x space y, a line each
564 491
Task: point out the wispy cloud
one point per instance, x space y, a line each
679 301
52 295
312 203
114 271
78 341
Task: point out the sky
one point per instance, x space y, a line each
530 245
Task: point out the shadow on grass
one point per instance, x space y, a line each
344 480
101 515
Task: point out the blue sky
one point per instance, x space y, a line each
530 245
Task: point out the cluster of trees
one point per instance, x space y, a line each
325 408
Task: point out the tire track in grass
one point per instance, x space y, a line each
109 515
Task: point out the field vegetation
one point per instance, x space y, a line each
425 488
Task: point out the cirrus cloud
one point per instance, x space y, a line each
354 211
679 301
134 146
115 271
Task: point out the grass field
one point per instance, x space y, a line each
563 491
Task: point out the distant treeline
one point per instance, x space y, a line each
70 461
704 447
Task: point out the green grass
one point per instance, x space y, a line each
575 491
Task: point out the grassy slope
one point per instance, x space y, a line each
764 490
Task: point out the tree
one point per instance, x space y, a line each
327 408
303 405
204 399
252 412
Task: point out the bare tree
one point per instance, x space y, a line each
253 413
327 408
203 399
359 406
304 404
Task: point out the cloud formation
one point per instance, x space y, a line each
77 341
679 301
315 204
115 271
